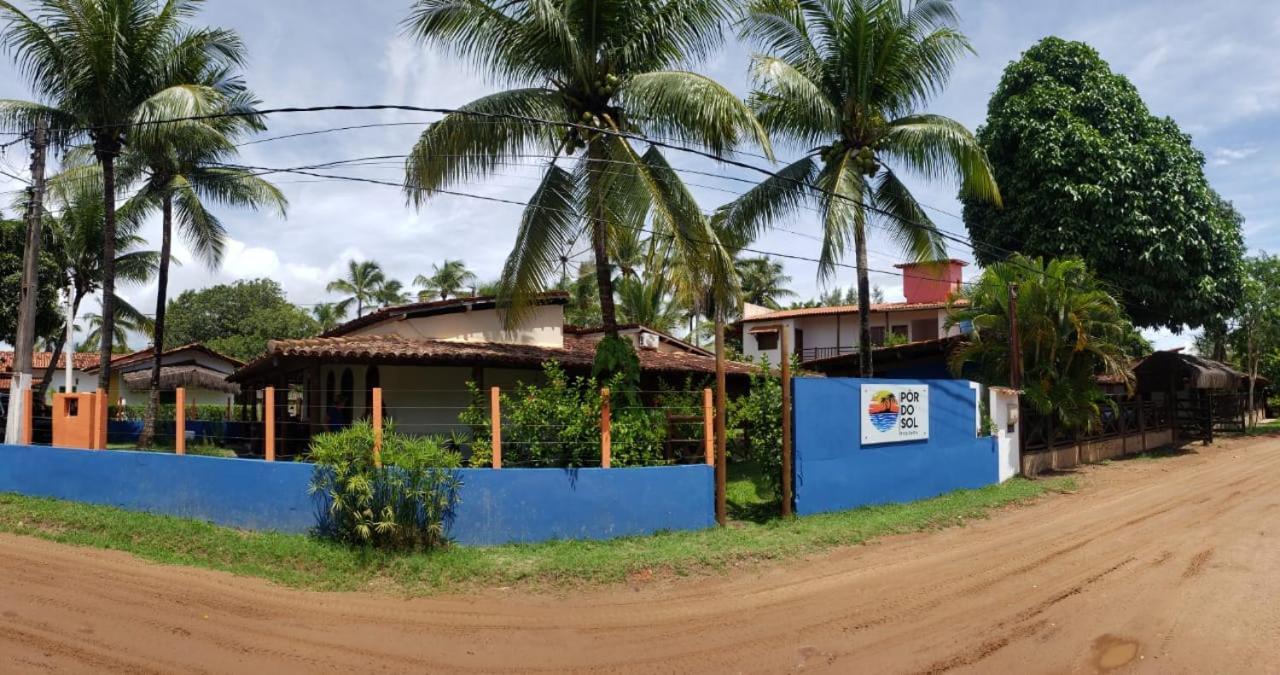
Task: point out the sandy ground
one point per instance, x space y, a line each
1170 566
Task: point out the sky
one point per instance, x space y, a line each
1212 68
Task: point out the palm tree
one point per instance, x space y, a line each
446 279
127 320
362 284
763 281
105 70
647 301
391 293
328 315
845 80
612 67
1069 331
183 167
73 221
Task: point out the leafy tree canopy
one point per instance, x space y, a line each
13 235
236 319
1086 170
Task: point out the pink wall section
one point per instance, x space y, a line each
931 282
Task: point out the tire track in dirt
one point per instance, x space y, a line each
1041 582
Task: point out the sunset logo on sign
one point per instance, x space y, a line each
883 411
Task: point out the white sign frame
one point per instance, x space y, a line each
905 416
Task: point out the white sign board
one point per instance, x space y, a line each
892 413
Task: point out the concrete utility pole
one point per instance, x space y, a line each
721 399
1015 350
26 334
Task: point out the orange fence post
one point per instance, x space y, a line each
606 430
180 421
96 422
377 427
708 427
495 423
269 435
27 413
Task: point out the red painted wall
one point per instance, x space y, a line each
931 282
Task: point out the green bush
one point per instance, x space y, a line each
404 504
757 419
558 424
205 412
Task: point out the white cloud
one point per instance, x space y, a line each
1225 156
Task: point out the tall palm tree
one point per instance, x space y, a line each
845 80
362 284
608 65
73 221
104 71
184 166
1070 331
446 279
328 315
763 281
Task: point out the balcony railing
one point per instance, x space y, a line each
814 353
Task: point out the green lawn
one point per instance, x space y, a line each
1265 429
207 449
304 562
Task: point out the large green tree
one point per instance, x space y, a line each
1069 331
846 81
612 65
13 236
763 281
1086 170
236 319
103 72
1256 338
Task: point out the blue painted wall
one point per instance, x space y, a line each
495 507
835 472
242 493
528 505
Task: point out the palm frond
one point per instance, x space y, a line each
549 222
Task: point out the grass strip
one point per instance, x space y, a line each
305 562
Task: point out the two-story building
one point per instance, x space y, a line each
825 334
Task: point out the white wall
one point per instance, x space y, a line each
822 331
750 350
544 327
423 400
82 382
1004 403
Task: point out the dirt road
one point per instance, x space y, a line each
1163 566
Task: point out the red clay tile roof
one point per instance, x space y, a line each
40 361
848 309
146 355
578 353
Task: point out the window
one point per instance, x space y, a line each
372 380
924 329
900 329
766 341
877 336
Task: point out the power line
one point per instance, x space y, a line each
514 202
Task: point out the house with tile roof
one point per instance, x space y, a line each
81 366
829 335
199 370
424 355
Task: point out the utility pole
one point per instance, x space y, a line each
786 424
721 398
1015 348
26 334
